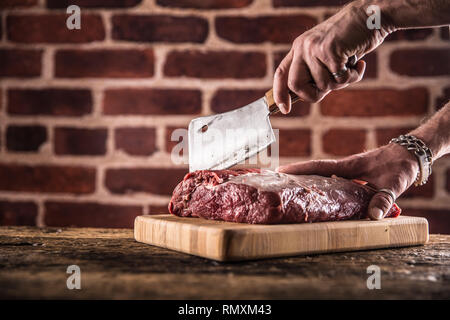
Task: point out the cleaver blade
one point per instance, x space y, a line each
223 140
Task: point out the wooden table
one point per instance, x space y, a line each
33 264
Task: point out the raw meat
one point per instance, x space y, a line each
266 197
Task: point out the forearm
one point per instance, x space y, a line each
403 14
436 132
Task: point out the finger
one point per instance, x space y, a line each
379 205
334 65
318 167
280 85
353 74
300 80
356 73
320 74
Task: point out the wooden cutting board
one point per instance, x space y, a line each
226 241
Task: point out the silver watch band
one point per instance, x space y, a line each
423 154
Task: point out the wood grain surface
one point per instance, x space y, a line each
226 241
33 264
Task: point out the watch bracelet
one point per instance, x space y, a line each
422 153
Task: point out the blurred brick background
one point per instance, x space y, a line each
86 115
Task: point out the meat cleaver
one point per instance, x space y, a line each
223 140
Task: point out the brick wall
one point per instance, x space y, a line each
86 115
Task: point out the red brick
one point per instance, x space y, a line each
90 214
17 3
276 29
80 141
109 63
159 181
171 144
228 99
159 28
384 135
308 3
215 64
443 99
425 191
343 142
445 33
151 101
438 219
410 35
25 138
205 4
18 213
371 60
138 141
51 28
47 178
57 4
421 62
50 102
448 180
158 209
20 63
278 56
376 102
294 142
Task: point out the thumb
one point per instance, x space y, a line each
379 205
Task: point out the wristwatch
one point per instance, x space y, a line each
423 154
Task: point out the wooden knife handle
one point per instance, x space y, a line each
271 103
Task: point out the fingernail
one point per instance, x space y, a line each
282 107
376 213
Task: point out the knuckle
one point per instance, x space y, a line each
280 71
295 85
345 79
383 201
323 52
306 42
322 85
329 59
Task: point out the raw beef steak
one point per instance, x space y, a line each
266 197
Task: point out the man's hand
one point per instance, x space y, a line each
389 167
315 55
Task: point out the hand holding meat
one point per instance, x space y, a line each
390 167
318 60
